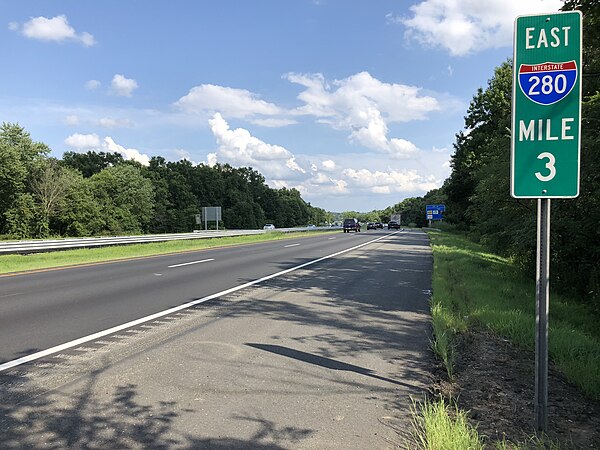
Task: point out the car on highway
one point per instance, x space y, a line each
393 225
269 226
378 225
351 225
371 226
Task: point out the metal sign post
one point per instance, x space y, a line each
211 213
545 150
542 302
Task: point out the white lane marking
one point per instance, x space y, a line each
82 340
290 245
191 262
11 295
331 238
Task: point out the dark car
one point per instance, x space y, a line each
378 225
393 225
371 226
351 225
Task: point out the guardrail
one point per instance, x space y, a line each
49 245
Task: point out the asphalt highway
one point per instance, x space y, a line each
329 355
44 309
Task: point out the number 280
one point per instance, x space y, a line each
549 84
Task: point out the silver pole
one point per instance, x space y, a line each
542 296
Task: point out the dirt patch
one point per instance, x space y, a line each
495 383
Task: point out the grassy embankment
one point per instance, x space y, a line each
474 288
35 261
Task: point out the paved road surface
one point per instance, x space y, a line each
45 309
323 357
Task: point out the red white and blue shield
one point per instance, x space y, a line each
549 82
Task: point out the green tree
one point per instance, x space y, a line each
49 185
91 162
125 199
19 155
591 43
78 212
23 217
244 215
184 202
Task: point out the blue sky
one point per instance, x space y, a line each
354 103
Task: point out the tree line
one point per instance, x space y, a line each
477 192
98 193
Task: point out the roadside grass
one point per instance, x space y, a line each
472 287
36 261
439 426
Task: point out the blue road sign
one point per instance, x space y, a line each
435 212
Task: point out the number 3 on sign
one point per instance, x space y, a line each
549 166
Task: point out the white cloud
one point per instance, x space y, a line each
92 85
128 153
122 86
391 18
71 120
56 29
107 122
365 106
239 148
320 179
359 104
211 159
83 141
236 103
182 154
468 26
348 105
293 165
328 165
91 142
273 123
381 182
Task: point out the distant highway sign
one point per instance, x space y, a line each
435 212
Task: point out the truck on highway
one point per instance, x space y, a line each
351 225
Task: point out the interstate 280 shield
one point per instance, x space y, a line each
549 82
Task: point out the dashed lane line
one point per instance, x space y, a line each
190 263
91 337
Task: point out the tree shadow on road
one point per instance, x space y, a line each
373 302
356 306
56 420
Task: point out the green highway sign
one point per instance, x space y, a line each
546 106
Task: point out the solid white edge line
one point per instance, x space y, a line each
59 348
291 245
189 263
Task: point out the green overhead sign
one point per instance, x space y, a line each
546 106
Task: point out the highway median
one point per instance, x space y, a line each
11 264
